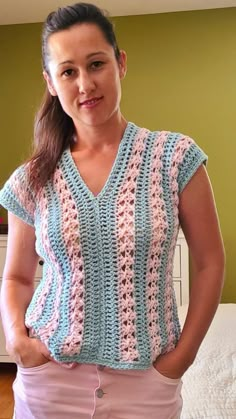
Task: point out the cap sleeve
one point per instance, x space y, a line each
16 196
191 159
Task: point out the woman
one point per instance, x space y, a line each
101 201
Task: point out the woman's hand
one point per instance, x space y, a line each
171 364
28 352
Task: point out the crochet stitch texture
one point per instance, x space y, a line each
106 295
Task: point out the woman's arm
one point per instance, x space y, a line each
199 221
17 289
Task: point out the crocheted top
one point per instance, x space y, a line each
106 295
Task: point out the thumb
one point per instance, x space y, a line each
44 350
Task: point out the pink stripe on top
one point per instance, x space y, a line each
71 234
159 227
179 154
125 233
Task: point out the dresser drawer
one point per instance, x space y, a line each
177 262
3 251
39 270
178 292
4 357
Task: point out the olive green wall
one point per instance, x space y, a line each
181 76
20 91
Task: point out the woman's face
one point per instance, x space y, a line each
85 74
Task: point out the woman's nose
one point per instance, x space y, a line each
86 83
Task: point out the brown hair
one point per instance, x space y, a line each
53 128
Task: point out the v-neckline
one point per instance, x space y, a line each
83 184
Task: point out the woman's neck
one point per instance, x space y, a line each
97 137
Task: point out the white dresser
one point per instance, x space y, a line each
181 270
3 247
180 277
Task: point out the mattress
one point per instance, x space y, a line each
209 385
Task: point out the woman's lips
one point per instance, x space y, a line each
90 103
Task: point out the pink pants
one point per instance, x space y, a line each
91 391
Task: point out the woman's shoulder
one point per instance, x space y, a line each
170 136
18 176
171 141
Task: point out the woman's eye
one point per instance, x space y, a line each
96 64
68 72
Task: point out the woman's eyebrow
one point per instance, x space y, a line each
92 54
65 62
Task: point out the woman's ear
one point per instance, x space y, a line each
122 64
49 83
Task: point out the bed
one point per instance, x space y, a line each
209 386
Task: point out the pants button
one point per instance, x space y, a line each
99 393
101 367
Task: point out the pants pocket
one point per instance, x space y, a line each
34 369
164 379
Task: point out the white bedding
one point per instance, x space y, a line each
209 386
